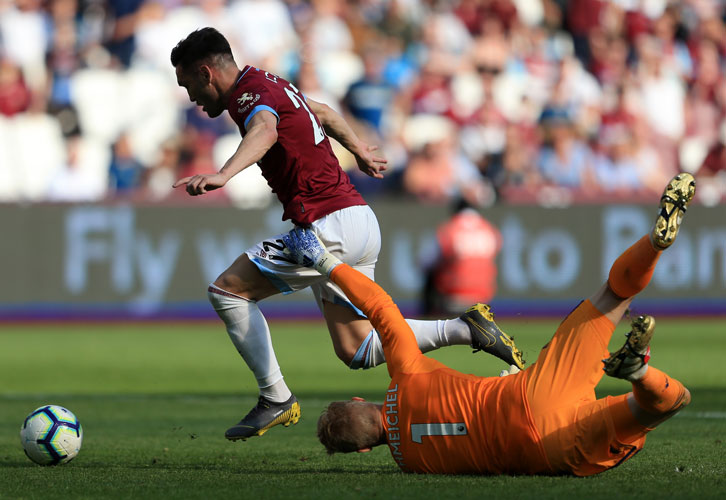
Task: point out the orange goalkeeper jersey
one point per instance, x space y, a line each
438 420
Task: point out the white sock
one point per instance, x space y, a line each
430 335
250 334
636 368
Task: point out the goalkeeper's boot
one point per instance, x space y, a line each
629 361
676 197
486 335
264 415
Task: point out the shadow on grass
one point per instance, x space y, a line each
311 466
708 397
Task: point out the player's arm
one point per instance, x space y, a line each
399 343
336 127
260 136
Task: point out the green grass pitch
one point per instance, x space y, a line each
155 399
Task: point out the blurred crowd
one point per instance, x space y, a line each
496 101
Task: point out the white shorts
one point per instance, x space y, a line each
351 234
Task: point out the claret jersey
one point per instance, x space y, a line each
301 168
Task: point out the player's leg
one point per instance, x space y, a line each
602 434
568 368
234 296
656 396
611 430
355 341
358 345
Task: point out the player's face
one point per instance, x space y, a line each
201 92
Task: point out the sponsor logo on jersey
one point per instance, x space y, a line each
244 98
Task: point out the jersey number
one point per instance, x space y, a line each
447 429
298 101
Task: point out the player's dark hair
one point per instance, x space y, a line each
199 45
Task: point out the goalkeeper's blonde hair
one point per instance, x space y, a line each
345 427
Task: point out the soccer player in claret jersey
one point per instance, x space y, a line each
286 134
542 420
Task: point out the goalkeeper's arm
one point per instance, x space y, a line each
399 342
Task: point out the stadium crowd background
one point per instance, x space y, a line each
498 100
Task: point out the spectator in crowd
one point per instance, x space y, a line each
368 100
484 140
125 171
121 43
24 39
492 68
71 183
14 93
62 57
517 169
565 160
715 162
712 172
615 166
438 172
160 177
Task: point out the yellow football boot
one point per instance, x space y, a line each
676 197
486 335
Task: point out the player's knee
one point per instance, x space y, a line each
226 282
345 354
231 283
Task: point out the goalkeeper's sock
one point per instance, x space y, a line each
250 334
430 335
631 272
657 393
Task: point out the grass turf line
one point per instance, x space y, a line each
155 400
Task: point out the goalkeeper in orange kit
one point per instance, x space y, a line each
542 420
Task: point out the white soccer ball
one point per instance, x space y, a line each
51 435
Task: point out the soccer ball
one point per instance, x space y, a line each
51 435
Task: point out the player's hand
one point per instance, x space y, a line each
371 163
510 371
306 249
200 184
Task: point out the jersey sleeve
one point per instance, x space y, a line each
251 102
399 342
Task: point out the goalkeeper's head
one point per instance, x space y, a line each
348 426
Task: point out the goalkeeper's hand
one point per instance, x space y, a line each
305 247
